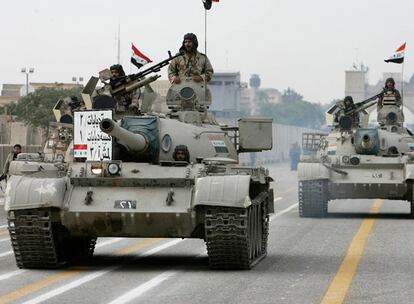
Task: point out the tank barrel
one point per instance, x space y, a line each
132 141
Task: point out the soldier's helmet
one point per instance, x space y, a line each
193 38
119 68
181 149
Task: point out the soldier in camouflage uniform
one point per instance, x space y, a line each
347 106
192 64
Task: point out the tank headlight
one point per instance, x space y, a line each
114 168
345 159
354 161
96 169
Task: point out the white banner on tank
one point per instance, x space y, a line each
88 140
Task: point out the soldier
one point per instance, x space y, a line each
192 64
347 107
17 149
117 72
294 154
181 153
390 95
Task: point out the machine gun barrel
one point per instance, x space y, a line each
360 106
135 81
132 141
135 84
154 68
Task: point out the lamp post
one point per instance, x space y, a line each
27 71
77 80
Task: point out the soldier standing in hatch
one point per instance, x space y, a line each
192 64
390 95
117 72
348 106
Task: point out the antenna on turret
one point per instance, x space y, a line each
119 44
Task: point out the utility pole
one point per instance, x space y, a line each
27 71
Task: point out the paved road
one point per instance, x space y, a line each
361 253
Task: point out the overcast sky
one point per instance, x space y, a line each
306 45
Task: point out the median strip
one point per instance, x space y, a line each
342 281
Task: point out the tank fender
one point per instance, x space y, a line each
409 171
227 191
24 192
307 171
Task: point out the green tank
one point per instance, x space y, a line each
121 177
355 161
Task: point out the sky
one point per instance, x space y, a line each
304 45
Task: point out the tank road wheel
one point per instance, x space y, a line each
36 241
313 198
236 238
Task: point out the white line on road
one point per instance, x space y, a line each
3 240
277 199
94 275
3 226
11 274
108 242
6 253
143 288
283 211
57 291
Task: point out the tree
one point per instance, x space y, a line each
293 110
35 109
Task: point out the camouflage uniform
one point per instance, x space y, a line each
190 64
344 108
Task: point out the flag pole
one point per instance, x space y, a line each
402 83
205 51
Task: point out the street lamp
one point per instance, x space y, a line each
27 71
77 80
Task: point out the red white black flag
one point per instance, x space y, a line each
398 56
139 59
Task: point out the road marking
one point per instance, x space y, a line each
108 242
26 290
96 274
6 253
143 288
339 286
283 211
3 240
8 275
3 226
289 190
277 199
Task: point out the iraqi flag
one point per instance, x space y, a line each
398 56
139 59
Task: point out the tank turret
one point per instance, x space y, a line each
131 141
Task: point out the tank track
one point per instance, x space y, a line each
411 186
40 242
236 238
313 198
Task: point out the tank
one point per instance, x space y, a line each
121 177
355 161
